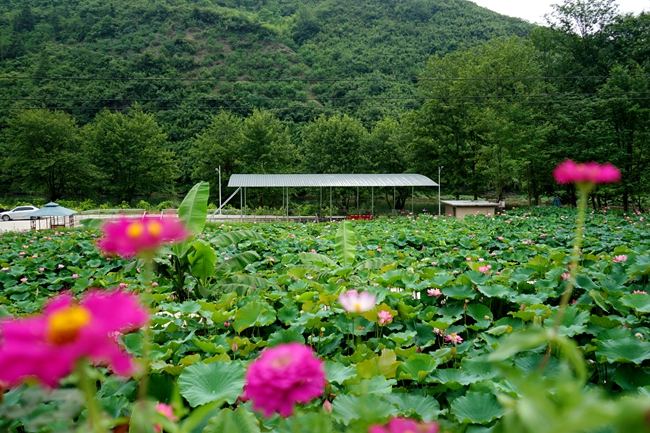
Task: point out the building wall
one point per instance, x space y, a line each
463 211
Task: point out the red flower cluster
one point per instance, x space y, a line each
590 172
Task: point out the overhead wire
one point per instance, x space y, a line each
304 79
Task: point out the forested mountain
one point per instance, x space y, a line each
175 88
242 54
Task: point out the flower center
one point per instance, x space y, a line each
281 362
154 228
134 230
63 325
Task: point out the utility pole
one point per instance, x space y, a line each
439 170
219 170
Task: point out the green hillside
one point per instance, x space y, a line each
185 59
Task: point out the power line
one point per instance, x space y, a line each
320 107
325 98
328 80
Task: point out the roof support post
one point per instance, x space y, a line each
372 201
412 198
357 200
394 202
330 203
320 208
241 205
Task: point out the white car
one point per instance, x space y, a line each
19 213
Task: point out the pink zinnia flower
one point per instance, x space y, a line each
384 317
355 302
129 237
620 258
48 346
403 425
283 376
590 172
434 292
453 338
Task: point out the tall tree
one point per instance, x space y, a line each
334 145
217 146
265 145
43 153
131 155
480 117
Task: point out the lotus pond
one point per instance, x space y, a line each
459 333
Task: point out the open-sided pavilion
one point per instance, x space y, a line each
286 181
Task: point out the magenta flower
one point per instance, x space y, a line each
166 410
48 346
453 338
620 258
434 292
384 317
590 172
129 237
404 425
640 292
283 376
355 302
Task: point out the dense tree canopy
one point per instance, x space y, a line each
129 152
324 86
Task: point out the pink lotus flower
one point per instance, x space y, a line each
484 269
566 275
641 292
620 258
453 338
590 172
355 302
384 317
129 237
434 292
48 346
167 411
283 376
403 425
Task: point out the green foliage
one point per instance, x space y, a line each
43 153
129 150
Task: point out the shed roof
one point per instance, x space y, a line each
333 180
52 209
469 203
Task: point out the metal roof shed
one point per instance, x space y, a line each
285 181
53 211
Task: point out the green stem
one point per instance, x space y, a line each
146 338
583 191
89 390
583 194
